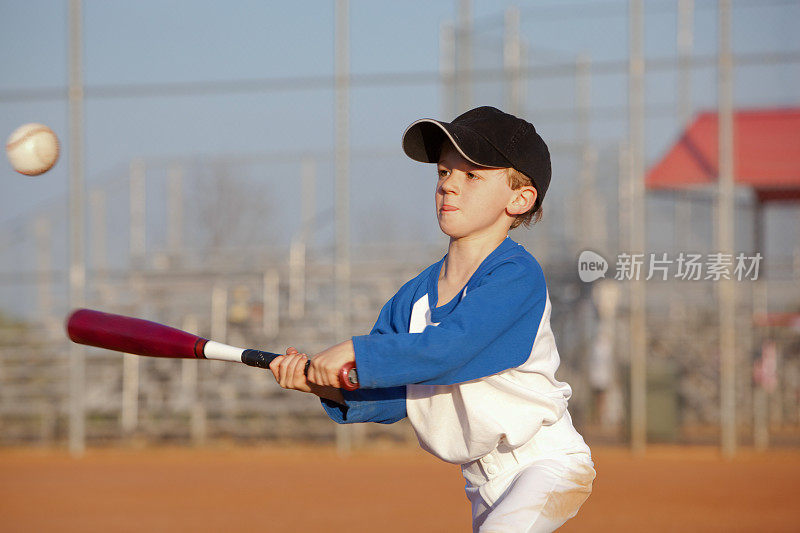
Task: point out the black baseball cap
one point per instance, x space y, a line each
486 137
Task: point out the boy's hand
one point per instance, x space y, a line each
289 370
326 365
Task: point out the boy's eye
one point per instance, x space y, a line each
472 176
443 174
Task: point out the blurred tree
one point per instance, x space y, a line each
232 212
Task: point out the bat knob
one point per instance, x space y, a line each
348 376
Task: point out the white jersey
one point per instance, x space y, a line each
476 378
463 422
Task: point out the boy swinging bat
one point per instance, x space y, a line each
465 349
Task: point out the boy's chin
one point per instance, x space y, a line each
449 232
453 232
459 231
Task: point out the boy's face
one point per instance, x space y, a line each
472 200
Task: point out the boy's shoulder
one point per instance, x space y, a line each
514 261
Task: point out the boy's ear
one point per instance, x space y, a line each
523 201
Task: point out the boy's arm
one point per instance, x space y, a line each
385 405
394 317
382 405
492 329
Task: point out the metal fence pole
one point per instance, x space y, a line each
464 57
342 177
760 308
447 69
270 317
77 270
512 60
638 236
192 393
129 418
591 205
725 234
683 207
219 312
175 213
299 246
138 207
297 277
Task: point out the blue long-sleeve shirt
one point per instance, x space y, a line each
487 328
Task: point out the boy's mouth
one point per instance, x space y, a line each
445 208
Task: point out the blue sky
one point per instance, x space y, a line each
151 42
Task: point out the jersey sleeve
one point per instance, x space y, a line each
492 329
384 406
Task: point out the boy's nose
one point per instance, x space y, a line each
449 184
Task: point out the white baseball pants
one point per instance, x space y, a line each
515 493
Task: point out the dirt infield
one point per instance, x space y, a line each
311 489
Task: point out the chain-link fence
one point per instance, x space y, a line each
240 248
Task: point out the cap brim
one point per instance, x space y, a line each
423 139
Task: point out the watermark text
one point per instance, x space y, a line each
661 266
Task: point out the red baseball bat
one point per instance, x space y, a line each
142 337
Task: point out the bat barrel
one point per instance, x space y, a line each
132 335
142 337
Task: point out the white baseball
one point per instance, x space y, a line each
32 149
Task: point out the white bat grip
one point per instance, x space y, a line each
222 352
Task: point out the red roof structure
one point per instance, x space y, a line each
766 155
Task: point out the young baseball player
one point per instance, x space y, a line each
465 349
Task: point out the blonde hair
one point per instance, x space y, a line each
517 180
